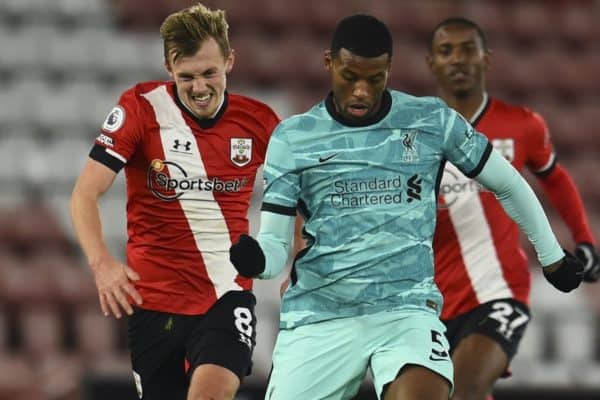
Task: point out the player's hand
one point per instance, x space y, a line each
591 264
113 281
247 256
565 274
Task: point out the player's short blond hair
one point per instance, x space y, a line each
184 31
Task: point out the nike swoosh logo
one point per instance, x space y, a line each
323 159
432 358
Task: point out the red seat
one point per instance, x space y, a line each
492 16
576 23
410 72
18 380
96 335
531 22
22 282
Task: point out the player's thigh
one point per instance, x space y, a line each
413 339
491 334
156 343
225 337
478 362
318 361
504 321
418 382
211 381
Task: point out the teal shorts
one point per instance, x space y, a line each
329 360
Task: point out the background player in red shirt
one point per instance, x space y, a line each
190 151
480 267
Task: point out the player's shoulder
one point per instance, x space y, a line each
409 107
142 88
250 105
424 113
137 92
515 111
307 121
404 99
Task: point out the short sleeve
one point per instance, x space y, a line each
120 133
540 152
282 182
464 147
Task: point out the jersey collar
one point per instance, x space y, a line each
485 103
205 123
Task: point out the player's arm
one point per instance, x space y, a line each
266 256
112 278
299 244
561 269
564 196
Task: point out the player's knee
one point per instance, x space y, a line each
472 390
213 394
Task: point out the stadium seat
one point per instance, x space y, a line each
84 12
589 183
35 227
41 331
409 70
281 16
96 335
23 49
576 24
492 16
322 16
21 283
18 380
14 102
71 282
531 23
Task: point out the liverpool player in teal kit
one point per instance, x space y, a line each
363 167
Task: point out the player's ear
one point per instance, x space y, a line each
168 68
328 60
230 61
429 61
487 58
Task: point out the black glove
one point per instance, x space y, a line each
247 256
591 264
567 275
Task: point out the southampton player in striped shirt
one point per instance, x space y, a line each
190 151
363 168
481 269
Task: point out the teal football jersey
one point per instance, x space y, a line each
369 196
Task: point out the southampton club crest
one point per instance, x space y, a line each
241 151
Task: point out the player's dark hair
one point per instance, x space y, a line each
363 35
459 21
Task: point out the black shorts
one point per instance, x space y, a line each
503 320
160 343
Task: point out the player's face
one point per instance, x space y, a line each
201 79
458 60
357 83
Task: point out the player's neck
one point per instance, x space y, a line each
469 106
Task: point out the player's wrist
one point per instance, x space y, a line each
566 274
99 261
247 257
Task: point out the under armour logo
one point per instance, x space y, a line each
187 146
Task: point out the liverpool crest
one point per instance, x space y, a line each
241 151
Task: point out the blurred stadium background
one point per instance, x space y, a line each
63 65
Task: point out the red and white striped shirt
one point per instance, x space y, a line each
189 183
478 257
